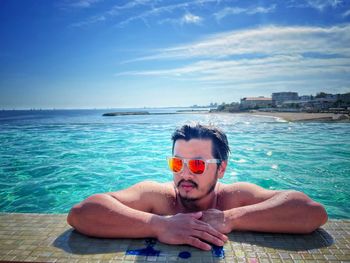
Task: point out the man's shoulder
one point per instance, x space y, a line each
244 188
242 193
160 196
147 189
148 196
239 186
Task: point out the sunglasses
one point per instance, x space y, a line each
196 166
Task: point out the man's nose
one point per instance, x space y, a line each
186 173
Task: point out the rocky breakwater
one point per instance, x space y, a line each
126 113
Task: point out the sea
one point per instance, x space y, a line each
53 159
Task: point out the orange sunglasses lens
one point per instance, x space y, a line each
175 164
196 166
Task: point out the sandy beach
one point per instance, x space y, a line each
303 116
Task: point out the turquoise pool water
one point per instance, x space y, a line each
50 160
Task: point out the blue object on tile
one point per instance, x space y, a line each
148 251
184 254
218 251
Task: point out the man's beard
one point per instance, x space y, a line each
189 201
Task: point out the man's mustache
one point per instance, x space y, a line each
187 181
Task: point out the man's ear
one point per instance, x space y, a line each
222 169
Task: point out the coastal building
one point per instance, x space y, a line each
320 104
293 105
345 98
291 102
305 98
256 103
280 97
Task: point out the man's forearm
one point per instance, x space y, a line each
287 212
103 216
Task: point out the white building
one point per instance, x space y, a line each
256 102
280 97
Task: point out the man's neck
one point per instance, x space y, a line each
205 203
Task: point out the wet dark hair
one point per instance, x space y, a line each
187 132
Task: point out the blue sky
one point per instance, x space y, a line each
104 54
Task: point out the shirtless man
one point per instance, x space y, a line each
195 209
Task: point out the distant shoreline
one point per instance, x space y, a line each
304 116
287 116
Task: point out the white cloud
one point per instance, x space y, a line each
153 8
269 40
268 74
191 19
156 11
346 13
281 55
115 10
227 11
91 20
82 3
187 18
256 68
317 4
322 4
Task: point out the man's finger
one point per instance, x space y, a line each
208 228
207 237
195 242
196 215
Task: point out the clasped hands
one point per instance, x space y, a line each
195 229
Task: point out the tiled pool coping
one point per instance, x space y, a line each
48 238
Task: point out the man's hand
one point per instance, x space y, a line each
188 229
216 219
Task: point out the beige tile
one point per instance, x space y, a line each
41 237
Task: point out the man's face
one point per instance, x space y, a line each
190 186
